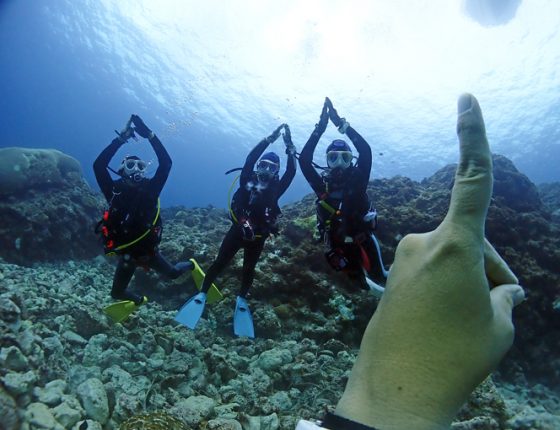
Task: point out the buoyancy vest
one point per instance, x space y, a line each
132 219
258 204
342 206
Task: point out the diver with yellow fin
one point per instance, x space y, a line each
131 227
254 212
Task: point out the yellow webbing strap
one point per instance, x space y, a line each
327 207
142 236
229 199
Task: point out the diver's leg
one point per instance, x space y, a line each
230 245
251 257
377 271
160 264
123 275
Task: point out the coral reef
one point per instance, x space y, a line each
63 362
48 210
550 195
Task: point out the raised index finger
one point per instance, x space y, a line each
473 180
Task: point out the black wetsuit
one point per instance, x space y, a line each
132 210
341 205
260 208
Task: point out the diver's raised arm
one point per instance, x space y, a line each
306 155
164 160
255 153
361 145
102 161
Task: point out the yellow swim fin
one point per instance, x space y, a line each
214 295
120 311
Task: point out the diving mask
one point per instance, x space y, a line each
134 168
267 169
341 159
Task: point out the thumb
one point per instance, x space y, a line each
504 298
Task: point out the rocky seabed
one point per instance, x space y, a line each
63 363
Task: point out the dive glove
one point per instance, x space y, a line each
140 127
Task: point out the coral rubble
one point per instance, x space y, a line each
63 364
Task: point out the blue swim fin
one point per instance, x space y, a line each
242 319
191 311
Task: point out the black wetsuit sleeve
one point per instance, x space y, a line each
164 165
288 175
256 152
306 160
364 152
100 165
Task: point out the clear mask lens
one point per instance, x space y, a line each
137 165
267 167
339 159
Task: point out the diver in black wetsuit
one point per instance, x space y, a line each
254 211
132 226
345 216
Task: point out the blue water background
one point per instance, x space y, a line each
213 78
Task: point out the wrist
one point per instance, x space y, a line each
151 135
343 126
396 395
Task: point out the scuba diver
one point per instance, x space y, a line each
253 211
131 227
345 217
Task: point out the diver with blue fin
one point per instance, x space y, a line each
253 212
131 227
345 217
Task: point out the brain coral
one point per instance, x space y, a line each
25 168
47 208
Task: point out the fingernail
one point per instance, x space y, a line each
465 103
518 296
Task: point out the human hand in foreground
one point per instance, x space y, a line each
444 321
140 127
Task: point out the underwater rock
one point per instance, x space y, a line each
550 195
19 383
485 407
8 411
273 359
194 410
41 417
224 424
269 422
48 210
512 188
94 400
25 168
9 312
12 358
52 394
67 413
530 419
94 350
